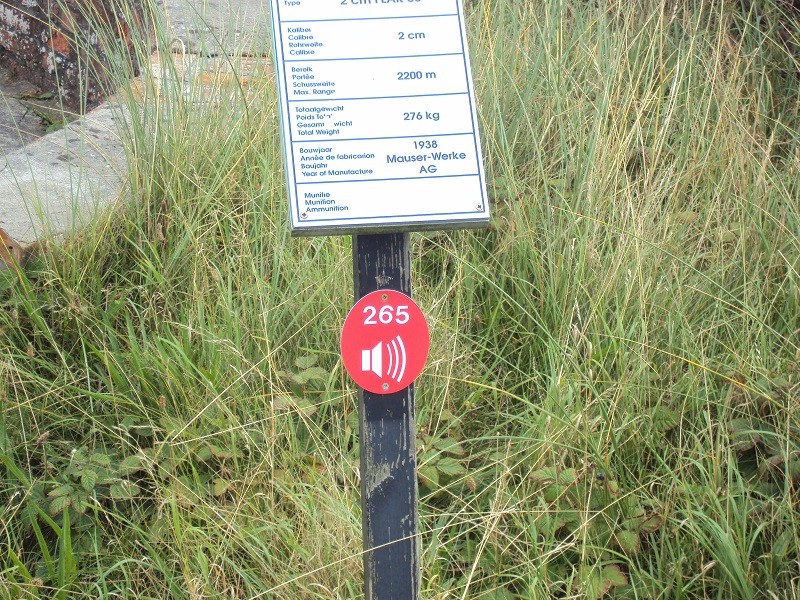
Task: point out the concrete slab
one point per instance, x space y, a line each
216 27
58 182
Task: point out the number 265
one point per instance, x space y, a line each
386 314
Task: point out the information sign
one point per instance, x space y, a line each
385 342
378 116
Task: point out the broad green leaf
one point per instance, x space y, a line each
220 452
771 466
554 492
730 236
293 403
101 459
181 492
89 479
220 486
600 530
450 446
628 541
593 586
59 504
124 490
599 582
504 187
649 523
446 416
567 476
550 522
664 419
204 454
282 402
742 435
613 577
131 464
78 502
116 491
429 476
783 544
450 466
306 362
305 406
545 475
688 216
572 518
127 422
311 374
60 491
499 594
142 430
794 469
740 426
8 279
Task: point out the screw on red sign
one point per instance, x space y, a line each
385 342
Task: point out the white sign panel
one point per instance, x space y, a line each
378 115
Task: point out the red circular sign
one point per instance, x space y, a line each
385 342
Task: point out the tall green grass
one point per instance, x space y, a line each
610 406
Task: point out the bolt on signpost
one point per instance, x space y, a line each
380 138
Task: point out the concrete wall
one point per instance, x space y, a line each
67 46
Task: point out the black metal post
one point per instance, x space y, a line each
389 495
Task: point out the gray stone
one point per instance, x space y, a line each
217 27
69 46
60 181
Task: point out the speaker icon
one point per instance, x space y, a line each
372 359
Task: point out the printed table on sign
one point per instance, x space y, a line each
378 115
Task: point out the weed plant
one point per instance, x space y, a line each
610 408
